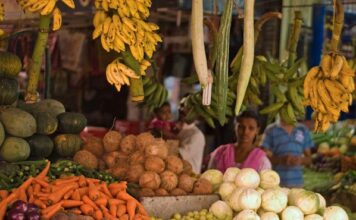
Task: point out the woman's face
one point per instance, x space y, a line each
246 130
164 113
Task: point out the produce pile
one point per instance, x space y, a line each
202 214
246 194
76 194
144 160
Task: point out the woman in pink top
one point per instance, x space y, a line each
244 153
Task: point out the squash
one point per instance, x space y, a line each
8 90
66 145
15 149
41 146
10 64
2 134
17 122
47 105
70 122
46 123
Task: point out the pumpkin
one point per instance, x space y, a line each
10 64
8 90
70 122
2 134
46 123
66 145
51 106
41 146
18 123
14 149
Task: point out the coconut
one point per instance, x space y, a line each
111 141
101 165
146 192
110 159
94 145
155 164
187 167
186 182
122 158
119 172
161 192
137 158
174 164
128 144
86 159
143 139
169 180
178 192
202 186
150 180
134 172
157 148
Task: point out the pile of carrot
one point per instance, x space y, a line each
76 194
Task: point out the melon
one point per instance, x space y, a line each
70 122
17 122
2 134
14 149
46 123
10 64
67 145
41 146
8 90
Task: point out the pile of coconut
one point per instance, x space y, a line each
145 160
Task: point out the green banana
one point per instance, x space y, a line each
193 79
149 89
205 115
291 114
163 97
293 69
254 99
278 94
295 99
156 100
272 108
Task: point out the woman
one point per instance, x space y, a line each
243 153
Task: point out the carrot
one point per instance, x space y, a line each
11 198
113 209
58 195
3 207
105 190
83 191
90 202
65 181
121 210
39 203
44 172
103 208
26 184
124 217
116 201
71 203
51 211
82 182
138 217
76 195
29 190
108 216
115 191
36 188
98 215
87 209
91 180
131 208
101 201
42 182
3 194
68 194
22 195
46 190
117 187
93 192
74 211
123 195
31 199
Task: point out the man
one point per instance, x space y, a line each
192 141
288 147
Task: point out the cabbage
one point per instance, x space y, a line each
215 177
226 189
230 174
260 190
247 215
308 202
292 213
313 217
293 194
285 190
269 179
261 211
323 148
322 203
247 178
221 210
269 216
234 199
250 199
335 212
274 200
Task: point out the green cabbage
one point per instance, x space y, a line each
221 210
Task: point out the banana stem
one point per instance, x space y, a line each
294 38
338 23
236 62
136 85
213 31
36 62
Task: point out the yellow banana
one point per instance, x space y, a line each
37 6
2 32
118 87
57 19
326 64
132 6
28 3
104 43
143 70
346 69
126 70
99 17
348 83
106 25
116 20
69 3
313 72
146 62
147 3
97 31
97 4
324 94
142 24
150 38
135 53
145 13
124 78
122 37
350 99
114 4
111 32
338 63
49 7
105 5
118 44
157 37
108 74
153 26
129 23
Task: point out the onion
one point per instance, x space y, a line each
15 215
20 206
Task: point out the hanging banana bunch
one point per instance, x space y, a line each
46 7
328 88
286 82
2 16
155 93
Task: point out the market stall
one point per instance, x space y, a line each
56 162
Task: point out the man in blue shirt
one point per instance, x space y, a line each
288 147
